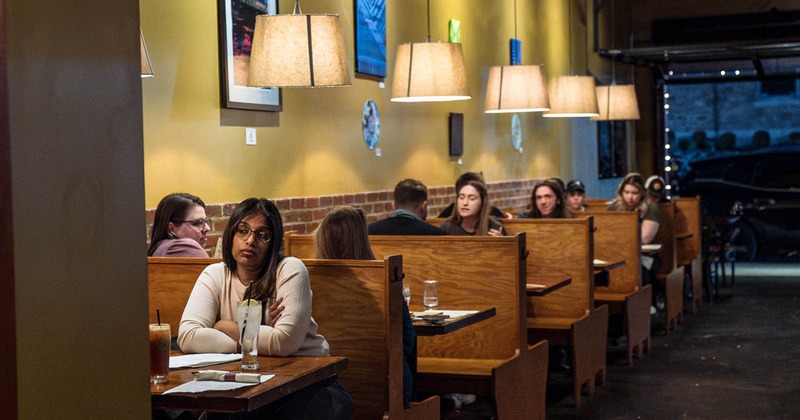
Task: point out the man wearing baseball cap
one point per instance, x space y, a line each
576 192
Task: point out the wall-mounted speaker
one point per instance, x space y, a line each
456 134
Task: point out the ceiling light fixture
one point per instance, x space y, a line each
298 50
429 71
516 88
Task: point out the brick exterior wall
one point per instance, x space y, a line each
303 214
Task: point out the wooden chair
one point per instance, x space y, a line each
689 248
358 306
568 315
617 236
491 357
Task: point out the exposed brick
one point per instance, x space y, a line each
326 201
360 198
150 216
305 215
348 199
372 197
283 204
318 214
312 202
214 210
227 209
298 203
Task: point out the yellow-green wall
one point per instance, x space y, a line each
315 147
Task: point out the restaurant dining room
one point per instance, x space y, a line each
152 153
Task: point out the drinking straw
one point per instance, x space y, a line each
158 316
246 309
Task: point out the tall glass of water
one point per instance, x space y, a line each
249 317
430 294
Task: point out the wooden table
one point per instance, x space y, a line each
291 374
601 269
425 328
542 284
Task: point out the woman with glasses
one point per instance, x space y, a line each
253 266
179 228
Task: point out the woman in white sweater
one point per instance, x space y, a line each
252 258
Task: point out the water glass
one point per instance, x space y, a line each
430 294
249 317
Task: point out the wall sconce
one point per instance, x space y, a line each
429 71
298 50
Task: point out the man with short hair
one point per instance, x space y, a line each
410 211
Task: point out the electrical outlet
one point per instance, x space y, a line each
250 136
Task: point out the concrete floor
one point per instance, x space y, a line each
738 358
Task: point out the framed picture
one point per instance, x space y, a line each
371 37
237 20
612 149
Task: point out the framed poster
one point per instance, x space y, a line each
371 37
612 149
237 20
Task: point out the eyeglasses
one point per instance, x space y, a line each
262 235
198 223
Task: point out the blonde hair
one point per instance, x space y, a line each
342 235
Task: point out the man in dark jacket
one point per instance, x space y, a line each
410 211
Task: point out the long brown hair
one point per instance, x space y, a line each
561 211
483 215
171 209
265 286
342 235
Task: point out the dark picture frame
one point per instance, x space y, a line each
236 26
612 149
370 36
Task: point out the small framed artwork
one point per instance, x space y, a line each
612 149
237 20
371 37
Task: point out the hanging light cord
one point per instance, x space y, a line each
429 20
569 35
515 20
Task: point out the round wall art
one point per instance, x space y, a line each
371 124
516 133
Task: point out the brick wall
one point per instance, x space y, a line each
303 214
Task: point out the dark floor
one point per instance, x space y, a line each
738 358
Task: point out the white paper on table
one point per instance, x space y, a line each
450 314
651 247
203 386
202 359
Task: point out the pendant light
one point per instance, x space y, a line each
572 96
617 102
516 88
298 50
429 71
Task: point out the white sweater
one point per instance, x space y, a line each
216 296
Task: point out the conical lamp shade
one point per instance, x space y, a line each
429 72
617 102
298 51
147 66
516 89
572 96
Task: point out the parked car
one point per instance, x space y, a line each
757 195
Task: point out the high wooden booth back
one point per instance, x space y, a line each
617 236
491 357
689 244
670 274
358 306
169 284
568 315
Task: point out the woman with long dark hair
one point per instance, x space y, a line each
179 228
254 266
